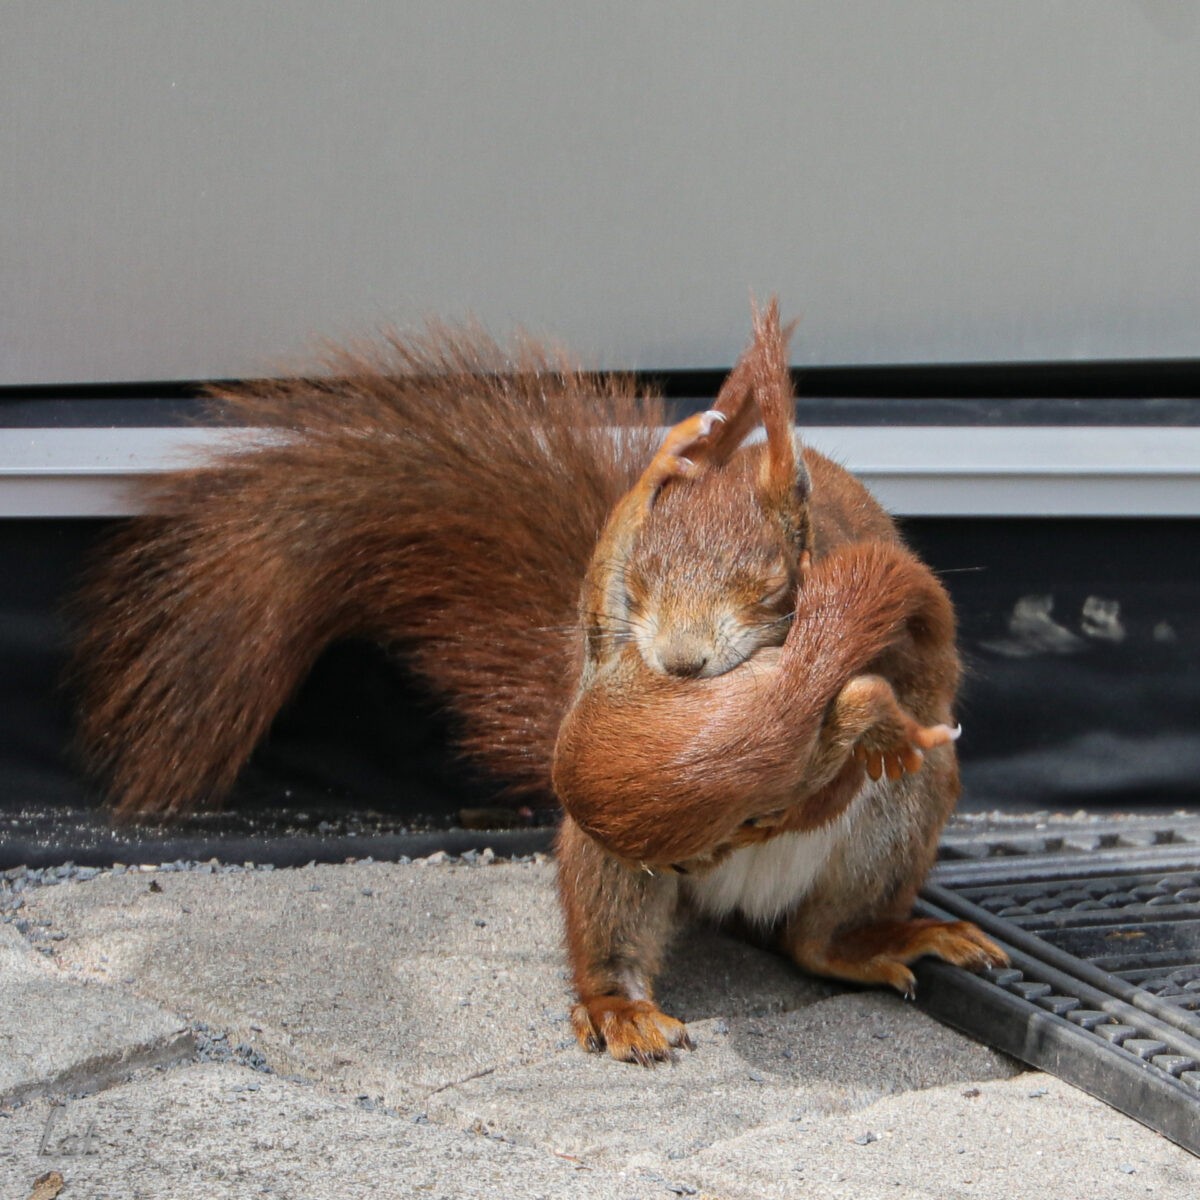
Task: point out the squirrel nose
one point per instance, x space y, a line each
682 657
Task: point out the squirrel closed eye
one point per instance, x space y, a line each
711 576
704 629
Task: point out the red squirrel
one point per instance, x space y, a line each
454 500
771 739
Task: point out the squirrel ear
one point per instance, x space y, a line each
784 483
758 388
782 477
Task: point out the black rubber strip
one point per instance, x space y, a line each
281 850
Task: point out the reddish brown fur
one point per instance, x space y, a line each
661 770
441 495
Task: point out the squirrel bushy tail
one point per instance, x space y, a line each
440 495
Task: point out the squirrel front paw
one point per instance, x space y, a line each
636 1031
891 742
897 752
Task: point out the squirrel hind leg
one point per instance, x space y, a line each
636 1031
883 951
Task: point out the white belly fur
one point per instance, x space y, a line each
763 882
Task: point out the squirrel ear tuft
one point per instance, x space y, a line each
771 380
754 378
784 483
759 388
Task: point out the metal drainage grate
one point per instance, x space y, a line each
1102 924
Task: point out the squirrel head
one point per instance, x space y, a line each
711 576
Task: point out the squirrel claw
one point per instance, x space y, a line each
926 737
895 753
678 456
882 952
635 1031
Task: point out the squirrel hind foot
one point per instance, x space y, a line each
685 450
635 1031
882 952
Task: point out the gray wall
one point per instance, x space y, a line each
200 189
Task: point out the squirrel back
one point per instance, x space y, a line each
440 495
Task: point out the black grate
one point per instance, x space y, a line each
1102 923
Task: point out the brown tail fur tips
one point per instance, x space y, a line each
441 495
